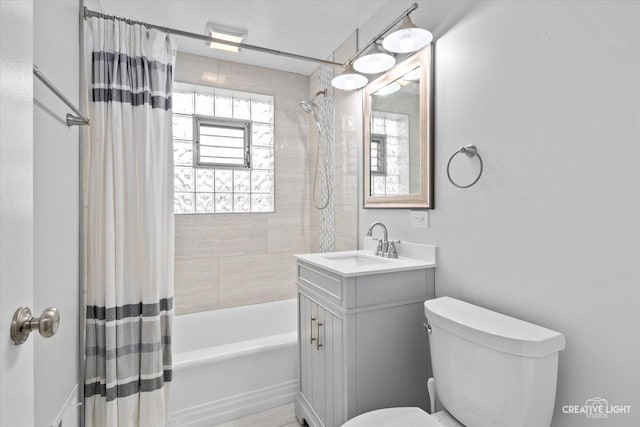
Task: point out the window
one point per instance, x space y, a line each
378 154
221 142
224 151
391 130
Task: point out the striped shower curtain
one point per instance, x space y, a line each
129 224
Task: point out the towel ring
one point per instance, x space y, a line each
470 151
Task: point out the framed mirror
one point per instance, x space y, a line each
398 136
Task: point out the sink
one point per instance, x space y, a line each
355 260
363 262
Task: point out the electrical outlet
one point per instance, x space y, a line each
419 219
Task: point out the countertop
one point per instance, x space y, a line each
364 262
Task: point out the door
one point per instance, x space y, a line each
56 211
38 211
16 208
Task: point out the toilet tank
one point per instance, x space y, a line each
491 369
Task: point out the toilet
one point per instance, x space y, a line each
490 370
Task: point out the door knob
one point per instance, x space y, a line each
24 323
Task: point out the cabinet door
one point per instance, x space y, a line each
318 394
321 361
331 348
330 353
304 328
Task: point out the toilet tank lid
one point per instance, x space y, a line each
491 329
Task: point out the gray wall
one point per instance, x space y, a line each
549 92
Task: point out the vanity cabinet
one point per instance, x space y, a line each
362 344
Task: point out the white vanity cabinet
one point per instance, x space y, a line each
362 341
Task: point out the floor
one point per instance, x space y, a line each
282 416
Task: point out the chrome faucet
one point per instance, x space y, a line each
383 244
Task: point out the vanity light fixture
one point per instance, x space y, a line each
407 38
371 59
222 32
349 79
374 61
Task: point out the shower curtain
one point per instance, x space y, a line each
129 224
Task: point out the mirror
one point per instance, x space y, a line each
398 136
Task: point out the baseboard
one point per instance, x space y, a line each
68 415
238 406
304 412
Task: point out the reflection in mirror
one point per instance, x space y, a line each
378 154
397 136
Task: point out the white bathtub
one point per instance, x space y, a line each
233 362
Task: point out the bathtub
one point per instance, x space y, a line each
233 362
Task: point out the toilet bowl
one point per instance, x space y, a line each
490 370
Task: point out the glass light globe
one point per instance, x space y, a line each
375 61
407 38
349 79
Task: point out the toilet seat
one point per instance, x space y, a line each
394 417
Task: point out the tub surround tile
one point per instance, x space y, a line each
348 135
256 278
314 227
214 235
287 87
288 234
196 285
346 230
292 177
314 214
291 141
196 69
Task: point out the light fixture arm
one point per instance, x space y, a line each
407 12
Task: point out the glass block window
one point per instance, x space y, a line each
232 170
391 130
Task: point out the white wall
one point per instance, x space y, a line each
549 92
56 201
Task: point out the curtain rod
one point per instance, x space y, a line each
92 13
78 119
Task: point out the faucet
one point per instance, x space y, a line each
383 244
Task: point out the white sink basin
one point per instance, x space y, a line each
355 260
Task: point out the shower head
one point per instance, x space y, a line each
307 106
310 107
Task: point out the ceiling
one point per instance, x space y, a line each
305 27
